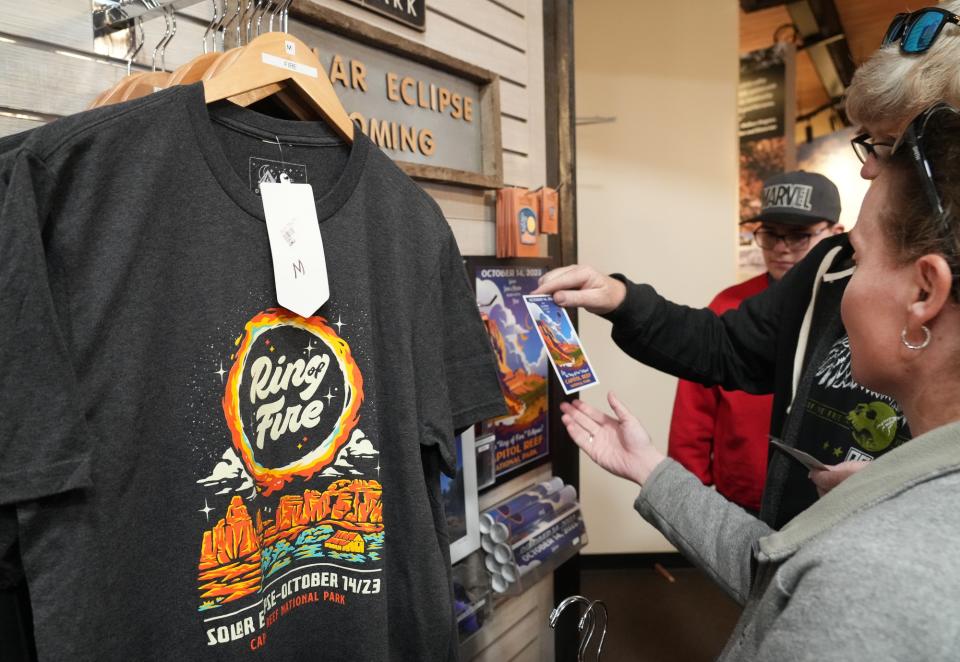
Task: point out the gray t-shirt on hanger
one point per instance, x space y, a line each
251 481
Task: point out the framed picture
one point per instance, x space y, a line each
521 437
460 503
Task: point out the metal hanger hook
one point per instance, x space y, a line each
137 44
586 625
210 28
163 40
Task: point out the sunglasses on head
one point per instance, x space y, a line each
915 139
917 30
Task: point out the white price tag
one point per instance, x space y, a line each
289 65
299 266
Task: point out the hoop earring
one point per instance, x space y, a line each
909 345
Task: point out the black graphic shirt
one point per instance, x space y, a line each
224 479
840 419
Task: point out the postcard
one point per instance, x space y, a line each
563 346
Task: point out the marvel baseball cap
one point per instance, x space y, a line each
798 198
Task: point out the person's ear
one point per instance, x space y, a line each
931 283
836 228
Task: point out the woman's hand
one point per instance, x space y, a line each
581 286
829 478
617 443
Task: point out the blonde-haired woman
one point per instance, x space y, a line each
868 572
916 65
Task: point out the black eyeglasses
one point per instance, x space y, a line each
914 138
864 148
795 241
917 30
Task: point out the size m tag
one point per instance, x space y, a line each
299 266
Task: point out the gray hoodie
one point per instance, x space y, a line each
869 572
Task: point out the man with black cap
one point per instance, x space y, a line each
721 435
787 340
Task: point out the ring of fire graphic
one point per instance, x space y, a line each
292 398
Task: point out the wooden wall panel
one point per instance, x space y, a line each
66 23
518 7
448 36
49 82
536 116
515 135
514 99
488 18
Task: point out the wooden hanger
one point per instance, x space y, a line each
280 59
193 71
115 93
219 64
144 85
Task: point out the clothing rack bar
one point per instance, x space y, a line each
113 15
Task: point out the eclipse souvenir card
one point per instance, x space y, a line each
563 346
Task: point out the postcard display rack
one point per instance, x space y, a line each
528 521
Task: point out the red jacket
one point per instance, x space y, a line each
720 435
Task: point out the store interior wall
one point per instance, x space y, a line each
657 199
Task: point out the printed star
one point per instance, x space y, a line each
206 509
826 445
339 324
272 348
328 396
377 468
308 349
837 452
299 445
220 372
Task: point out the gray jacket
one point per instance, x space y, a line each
869 572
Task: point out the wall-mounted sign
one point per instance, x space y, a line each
409 12
766 106
438 117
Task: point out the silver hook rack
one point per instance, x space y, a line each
112 15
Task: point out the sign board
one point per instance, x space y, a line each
437 117
766 106
411 13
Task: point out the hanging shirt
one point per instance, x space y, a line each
199 474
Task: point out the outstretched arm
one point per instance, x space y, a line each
712 532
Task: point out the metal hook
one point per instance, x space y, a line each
587 623
163 40
213 22
250 13
285 16
262 6
221 29
274 8
234 15
172 22
281 12
137 45
603 632
239 21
